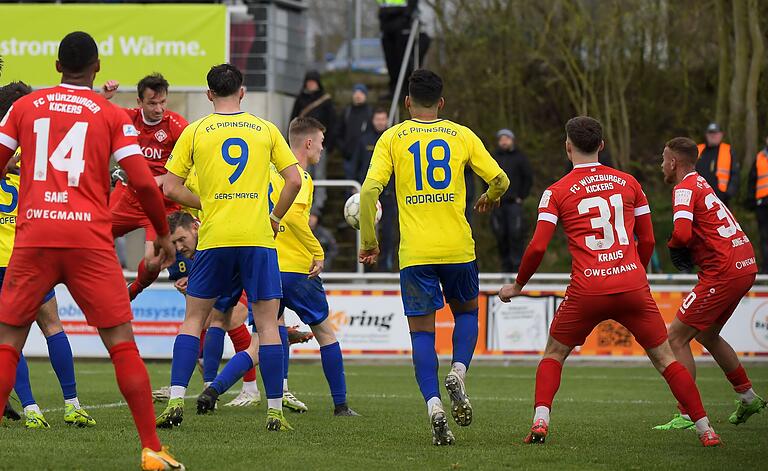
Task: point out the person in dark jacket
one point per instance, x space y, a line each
757 200
313 101
717 164
355 119
507 220
395 20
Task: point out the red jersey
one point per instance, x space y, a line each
67 135
597 206
717 243
157 139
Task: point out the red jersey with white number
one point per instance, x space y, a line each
718 245
597 206
67 135
157 139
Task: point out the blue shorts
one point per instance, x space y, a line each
220 271
228 301
420 286
302 295
50 295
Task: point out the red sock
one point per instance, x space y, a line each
9 359
241 340
133 381
739 380
684 388
547 381
202 342
144 278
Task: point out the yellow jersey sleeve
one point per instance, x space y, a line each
180 161
9 202
381 167
193 185
281 156
297 247
480 160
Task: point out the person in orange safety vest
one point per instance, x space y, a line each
757 198
717 164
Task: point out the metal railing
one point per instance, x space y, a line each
413 37
345 184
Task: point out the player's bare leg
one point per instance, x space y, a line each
547 383
425 364
748 403
684 389
333 367
464 342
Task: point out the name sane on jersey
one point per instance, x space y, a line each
599 182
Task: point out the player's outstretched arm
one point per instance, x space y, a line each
491 198
531 259
174 188
109 89
369 195
292 187
645 239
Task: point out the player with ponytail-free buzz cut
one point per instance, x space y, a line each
427 155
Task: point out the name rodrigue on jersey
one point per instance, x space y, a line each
433 198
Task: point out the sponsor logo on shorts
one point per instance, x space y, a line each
745 263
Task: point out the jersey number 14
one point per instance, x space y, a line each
73 145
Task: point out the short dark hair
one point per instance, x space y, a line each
684 148
301 127
224 80
155 82
180 219
379 110
425 87
585 133
77 51
10 93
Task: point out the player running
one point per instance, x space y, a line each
231 152
601 209
63 233
301 260
159 128
59 350
427 156
706 233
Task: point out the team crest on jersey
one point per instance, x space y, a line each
161 136
544 202
130 130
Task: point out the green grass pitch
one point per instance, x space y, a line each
602 419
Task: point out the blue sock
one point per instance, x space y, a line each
464 337
425 363
185 351
213 350
235 368
286 348
333 367
63 363
22 387
271 367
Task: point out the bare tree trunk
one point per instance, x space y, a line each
740 69
755 67
723 67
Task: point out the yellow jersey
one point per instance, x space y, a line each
193 185
428 160
9 202
231 154
297 247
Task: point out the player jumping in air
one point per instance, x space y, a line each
68 134
602 210
301 260
427 156
707 234
231 152
159 129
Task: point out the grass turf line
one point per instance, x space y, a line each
602 419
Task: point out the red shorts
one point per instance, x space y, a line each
94 279
713 301
636 310
128 215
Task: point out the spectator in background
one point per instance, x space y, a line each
388 225
717 165
757 199
507 220
353 123
395 19
313 101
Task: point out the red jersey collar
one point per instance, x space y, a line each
76 87
148 122
587 165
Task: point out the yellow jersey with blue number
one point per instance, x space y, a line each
9 202
427 159
231 154
297 247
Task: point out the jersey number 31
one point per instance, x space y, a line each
603 221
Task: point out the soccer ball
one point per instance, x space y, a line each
352 211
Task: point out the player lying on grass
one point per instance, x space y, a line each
158 130
301 260
64 225
428 155
231 152
602 211
707 234
59 350
184 232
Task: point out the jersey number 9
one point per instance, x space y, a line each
240 161
14 194
432 164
